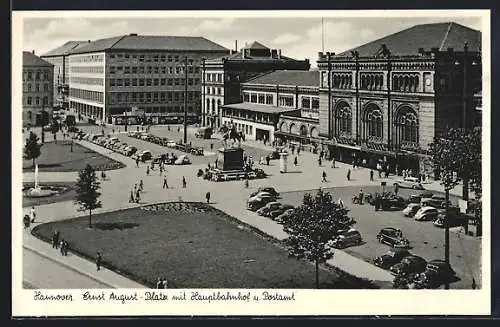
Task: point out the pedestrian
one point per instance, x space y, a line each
152 165
113 131
207 196
380 173
164 283
147 170
137 162
211 146
246 183
319 161
341 203
165 184
178 129
131 199
474 286
216 162
61 247
298 150
98 261
324 177
184 182
295 161
396 189
55 239
159 283
321 154
141 185
353 163
32 214
293 149
26 221
161 169
268 159
348 174
66 248
103 175
135 188
371 175
333 163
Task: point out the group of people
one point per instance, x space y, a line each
60 244
161 283
135 193
29 219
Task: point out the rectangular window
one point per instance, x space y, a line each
157 70
190 69
176 58
170 58
119 97
162 96
150 69
127 70
269 99
176 81
155 81
119 68
190 81
155 96
196 70
119 56
127 56
134 97
163 70
134 82
162 57
163 81
286 101
306 103
196 81
112 56
177 70
156 58
170 81
134 70
253 98
112 69
170 70
315 103
127 82
148 82
141 70
141 82
119 82
262 98
176 96
246 97
169 96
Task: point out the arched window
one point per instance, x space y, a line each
363 81
373 122
293 129
343 119
37 100
407 125
284 127
30 116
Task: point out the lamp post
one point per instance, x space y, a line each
203 105
185 97
43 121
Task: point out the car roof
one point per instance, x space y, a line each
427 208
389 229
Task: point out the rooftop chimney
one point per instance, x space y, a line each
33 51
236 45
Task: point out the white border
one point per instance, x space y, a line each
308 302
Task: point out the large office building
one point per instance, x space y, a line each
282 104
112 79
59 58
222 77
37 90
388 99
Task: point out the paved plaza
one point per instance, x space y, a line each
230 197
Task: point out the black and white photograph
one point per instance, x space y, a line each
271 159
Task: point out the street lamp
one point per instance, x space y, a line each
185 97
43 121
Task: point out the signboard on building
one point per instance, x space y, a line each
463 205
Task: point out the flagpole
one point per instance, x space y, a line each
322 34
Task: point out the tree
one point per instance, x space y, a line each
312 224
32 148
87 191
457 157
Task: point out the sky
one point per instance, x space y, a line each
298 37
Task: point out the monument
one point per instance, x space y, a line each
39 192
230 159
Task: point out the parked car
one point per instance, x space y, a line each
455 218
171 144
346 239
182 160
257 202
393 237
436 201
130 151
269 190
426 214
409 182
274 154
275 213
285 207
409 265
394 256
265 210
144 136
388 201
284 216
143 155
411 209
437 272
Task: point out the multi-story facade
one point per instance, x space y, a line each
387 100
37 90
283 103
60 59
109 78
222 77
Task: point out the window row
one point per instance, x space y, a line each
150 57
405 82
83 69
342 81
261 98
36 101
28 87
147 97
152 81
309 102
87 95
214 77
286 101
87 80
36 75
87 58
372 81
214 90
152 70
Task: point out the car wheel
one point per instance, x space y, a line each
395 184
415 187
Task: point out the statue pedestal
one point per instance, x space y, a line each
230 159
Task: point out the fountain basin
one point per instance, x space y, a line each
43 191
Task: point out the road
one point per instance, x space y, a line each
426 239
42 272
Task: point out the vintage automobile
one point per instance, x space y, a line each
436 201
417 198
268 189
409 265
426 214
394 256
388 201
393 237
411 209
143 155
265 210
436 273
409 182
130 151
348 238
284 216
256 202
182 160
455 218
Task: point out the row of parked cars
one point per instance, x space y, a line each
164 141
431 207
264 202
400 262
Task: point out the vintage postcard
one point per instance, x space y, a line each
251 163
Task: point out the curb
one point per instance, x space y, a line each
64 264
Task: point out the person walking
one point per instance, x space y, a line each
371 175
55 239
159 283
165 184
147 170
32 214
61 247
246 183
298 150
396 189
324 177
184 184
137 196
131 198
137 162
211 146
141 185
268 159
207 196
216 162
348 174
66 248
164 283
161 170
341 203
295 161
333 162
98 260
319 161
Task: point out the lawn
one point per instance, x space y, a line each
193 245
57 157
67 194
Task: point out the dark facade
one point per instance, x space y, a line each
223 76
387 100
